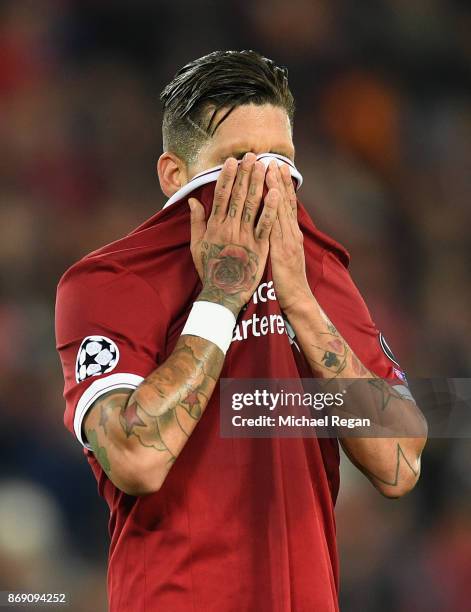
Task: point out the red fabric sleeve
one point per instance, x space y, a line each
110 333
342 301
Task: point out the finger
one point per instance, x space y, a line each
291 203
276 182
223 189
268 216
197 220
288 183
254 196
271 180
284 210
276 235
240 187
282 188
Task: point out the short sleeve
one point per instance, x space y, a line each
110 334
342 301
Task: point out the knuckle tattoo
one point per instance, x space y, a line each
219 197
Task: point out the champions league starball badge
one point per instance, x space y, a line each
96 355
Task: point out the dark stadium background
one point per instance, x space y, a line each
383 135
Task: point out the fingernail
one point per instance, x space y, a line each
191 204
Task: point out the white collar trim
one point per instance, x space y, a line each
211 175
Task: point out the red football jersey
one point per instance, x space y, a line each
240 524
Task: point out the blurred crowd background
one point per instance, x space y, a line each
383 137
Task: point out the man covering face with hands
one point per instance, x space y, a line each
230 279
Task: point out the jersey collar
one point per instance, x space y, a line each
212 173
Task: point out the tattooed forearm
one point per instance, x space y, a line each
229 271
159 415
392 463
99 451
396 476
329 354
147 430
385 392
163 411
393 481
358 368
105 410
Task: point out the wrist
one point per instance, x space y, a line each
211 321
208 294
300 306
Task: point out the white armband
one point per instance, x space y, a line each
212 322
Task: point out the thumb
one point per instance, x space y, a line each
197 220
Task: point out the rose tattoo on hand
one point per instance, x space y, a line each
232 270
229 273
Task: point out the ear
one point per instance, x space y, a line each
172 173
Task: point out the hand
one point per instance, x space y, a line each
230 252
286 243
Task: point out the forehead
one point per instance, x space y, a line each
252 127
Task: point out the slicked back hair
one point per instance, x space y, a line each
222 79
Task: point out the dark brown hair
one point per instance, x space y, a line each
222 79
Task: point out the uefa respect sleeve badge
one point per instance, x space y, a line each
398 371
